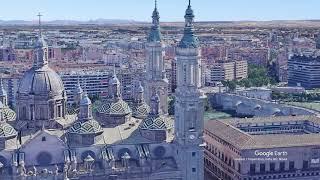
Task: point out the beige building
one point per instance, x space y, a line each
241 69
230 70
286 147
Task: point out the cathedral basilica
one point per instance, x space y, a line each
111 139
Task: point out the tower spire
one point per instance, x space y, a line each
40 27
189 39
155 35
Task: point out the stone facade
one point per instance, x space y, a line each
269 148
189 107
156 76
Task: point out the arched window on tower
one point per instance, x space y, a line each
184 73
23 113
192 75
31 112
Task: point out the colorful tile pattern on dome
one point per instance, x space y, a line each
6 130
114 108
87 127
141 111
155 123
9 115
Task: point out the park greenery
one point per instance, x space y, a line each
296 97
257 77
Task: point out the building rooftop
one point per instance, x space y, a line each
232 131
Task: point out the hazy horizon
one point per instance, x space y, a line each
170 11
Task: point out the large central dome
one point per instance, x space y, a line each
43 81
41 98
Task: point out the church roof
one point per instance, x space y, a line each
155 122
6 130
119 107
9 115
41 82
86 127
141 110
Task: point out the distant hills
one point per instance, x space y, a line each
275 23
70 22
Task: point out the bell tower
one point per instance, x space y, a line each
156 78
189 106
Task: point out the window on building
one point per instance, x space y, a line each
193 154
193 169
305 165
31 112
262 168
272 167
291 165
59 111
43 138
252 168
282 166
24 112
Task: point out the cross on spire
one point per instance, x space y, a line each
39 15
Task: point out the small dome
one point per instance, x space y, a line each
41 81
155 123
114 108
87 127
7 131
85 100
140 111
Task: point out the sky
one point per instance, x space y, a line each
170 10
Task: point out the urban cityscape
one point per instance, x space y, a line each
115 99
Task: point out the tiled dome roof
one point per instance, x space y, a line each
86 127
155 122
114 108
41 82
71 110
7 131
140 111
9 114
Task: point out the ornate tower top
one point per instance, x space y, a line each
78 89
40 49
189 40
155 34
85 101
155 104
114 84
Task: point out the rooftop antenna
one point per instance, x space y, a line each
155 4
189 3
40 28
